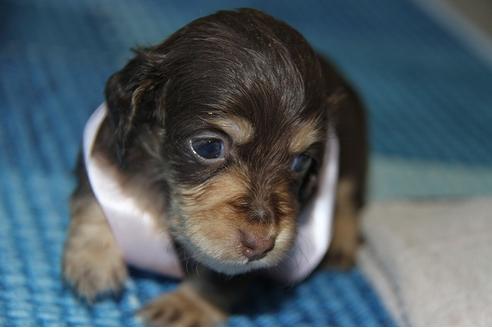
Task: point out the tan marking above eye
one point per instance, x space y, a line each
304 136
239 129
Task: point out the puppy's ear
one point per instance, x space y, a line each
131 98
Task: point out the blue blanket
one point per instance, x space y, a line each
428 96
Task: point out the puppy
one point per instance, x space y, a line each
216 142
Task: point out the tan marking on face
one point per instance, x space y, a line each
240 129
216 190
211 223
209 220
286 206
304 136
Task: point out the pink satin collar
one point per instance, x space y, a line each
147 247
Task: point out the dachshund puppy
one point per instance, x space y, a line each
203 164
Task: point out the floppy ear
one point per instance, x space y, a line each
130 98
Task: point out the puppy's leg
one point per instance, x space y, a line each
350 197
92 262
345 241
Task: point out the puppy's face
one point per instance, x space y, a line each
237 183
229 117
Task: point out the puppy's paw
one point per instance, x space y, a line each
94 270
342 252
344 245
183 307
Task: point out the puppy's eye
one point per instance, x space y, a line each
208 148
301 163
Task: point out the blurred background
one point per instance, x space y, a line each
476 12
423 68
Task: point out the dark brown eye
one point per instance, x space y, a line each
208 148
301 163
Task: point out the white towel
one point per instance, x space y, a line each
431 262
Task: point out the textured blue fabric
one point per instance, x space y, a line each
424 90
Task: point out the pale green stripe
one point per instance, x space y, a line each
394 178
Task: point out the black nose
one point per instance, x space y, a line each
255 247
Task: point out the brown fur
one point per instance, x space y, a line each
92 261
306 135
346 236
254 83
221 200
183 307
238 128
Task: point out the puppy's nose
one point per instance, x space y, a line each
255 247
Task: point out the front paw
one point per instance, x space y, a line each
93 270
183 307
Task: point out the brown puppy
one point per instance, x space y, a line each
220 131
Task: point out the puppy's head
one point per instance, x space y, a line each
228 119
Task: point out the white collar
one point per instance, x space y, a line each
146 247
